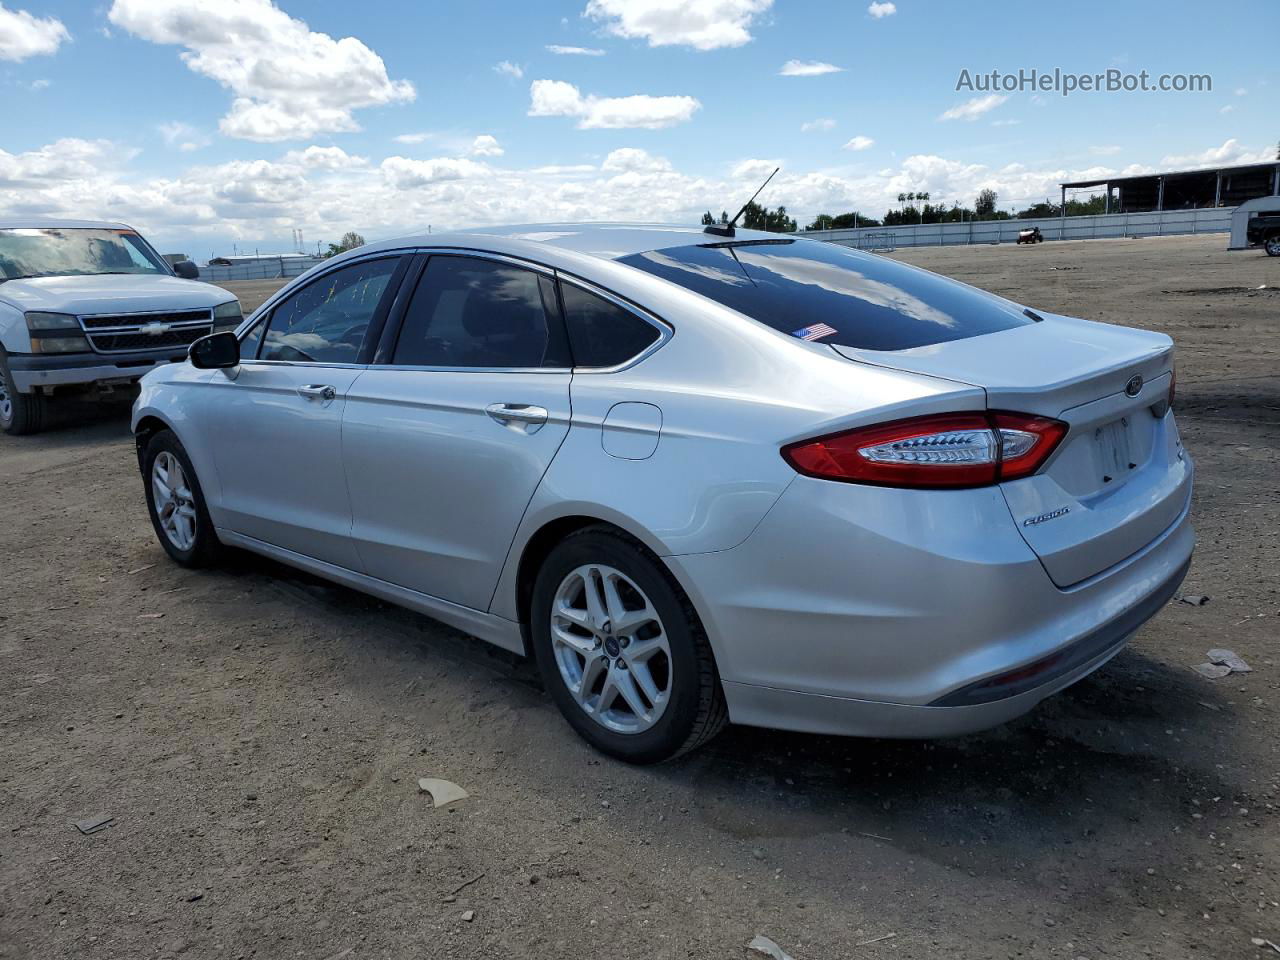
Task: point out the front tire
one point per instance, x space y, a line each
176 503
622 651
1272 246
21 414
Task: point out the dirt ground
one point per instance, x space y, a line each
257 736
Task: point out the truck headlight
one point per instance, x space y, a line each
227 316
55 333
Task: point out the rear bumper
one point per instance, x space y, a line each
831 618
35 370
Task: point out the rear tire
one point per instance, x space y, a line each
176 503
657 657
21 414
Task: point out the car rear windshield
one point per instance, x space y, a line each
828 293
74 252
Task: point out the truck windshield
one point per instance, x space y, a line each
74 252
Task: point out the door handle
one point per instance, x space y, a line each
317 391
509 414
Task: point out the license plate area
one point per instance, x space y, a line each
1115 452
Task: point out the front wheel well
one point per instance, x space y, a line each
147 428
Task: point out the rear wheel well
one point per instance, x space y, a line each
540 546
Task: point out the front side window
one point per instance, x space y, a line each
602 333
327 320
470 312
74 252
828 293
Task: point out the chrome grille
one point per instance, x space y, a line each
130 332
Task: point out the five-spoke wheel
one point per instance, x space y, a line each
176 502
621 649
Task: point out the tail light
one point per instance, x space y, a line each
947 450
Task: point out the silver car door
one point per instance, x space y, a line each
276 420
446 442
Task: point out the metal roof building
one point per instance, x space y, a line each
1185 189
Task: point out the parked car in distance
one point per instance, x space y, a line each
1263 231
88 305
1032 235
699 478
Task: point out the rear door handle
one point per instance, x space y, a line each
318 391
513 414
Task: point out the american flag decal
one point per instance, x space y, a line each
815 332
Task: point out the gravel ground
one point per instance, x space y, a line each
257 736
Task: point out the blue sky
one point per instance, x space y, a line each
210 123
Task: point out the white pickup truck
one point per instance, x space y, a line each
91 305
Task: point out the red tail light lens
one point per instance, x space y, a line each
944 451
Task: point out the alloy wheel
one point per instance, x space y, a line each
1273 246
174 503
6 402
611 648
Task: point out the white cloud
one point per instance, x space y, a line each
401 173
860 143
509 69
1230 153
325 191
555 98
973 109
634 159
574 51
1227 109
23 35
183 136
881 10
822 123
289 81
1105 150
808 68
35 86
324 158
486 146
1005 123
1241 92
411 137
701 24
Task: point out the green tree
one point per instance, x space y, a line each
985 205
350 240
708 219
756 217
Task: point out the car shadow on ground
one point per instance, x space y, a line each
1103 761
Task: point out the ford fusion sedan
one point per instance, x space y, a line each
700 478
86 305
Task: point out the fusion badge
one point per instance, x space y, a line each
1052 514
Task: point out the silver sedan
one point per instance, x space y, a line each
700 478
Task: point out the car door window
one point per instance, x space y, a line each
250 341
478 313
602 333
327 320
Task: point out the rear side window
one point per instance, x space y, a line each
470 312
602 333
327 320
828 293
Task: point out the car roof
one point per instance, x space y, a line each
39 223
607 241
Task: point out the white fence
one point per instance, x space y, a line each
1153 224
266 269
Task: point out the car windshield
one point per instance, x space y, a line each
827 293
74 252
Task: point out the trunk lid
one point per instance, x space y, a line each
1120 478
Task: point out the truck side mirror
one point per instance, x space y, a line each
186 270
218 351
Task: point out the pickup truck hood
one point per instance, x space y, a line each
111 293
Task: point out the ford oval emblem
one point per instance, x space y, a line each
1134 386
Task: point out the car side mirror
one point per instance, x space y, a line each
218 351
186 270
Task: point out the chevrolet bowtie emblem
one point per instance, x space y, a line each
154 329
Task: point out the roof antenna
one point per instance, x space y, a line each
726 229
